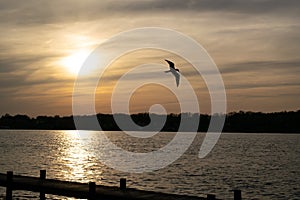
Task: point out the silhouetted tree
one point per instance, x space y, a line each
282 122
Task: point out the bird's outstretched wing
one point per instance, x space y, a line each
177 78
171 64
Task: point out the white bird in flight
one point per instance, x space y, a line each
174 71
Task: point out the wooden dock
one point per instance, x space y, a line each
85 190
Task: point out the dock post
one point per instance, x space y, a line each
211 197
237 194
123 183
9 181
42 177
42 174
92 190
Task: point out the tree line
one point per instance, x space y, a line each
256 122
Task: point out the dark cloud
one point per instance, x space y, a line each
290 67
32 12
56 11
13 63
237 6
17 71
24 80
274 77
254 85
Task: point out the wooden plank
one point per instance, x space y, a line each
81 190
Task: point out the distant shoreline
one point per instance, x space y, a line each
223 132
236 122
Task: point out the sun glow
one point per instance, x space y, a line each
74 61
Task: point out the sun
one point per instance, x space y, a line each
74 61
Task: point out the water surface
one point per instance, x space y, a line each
263 166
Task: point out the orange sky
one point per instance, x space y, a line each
254 44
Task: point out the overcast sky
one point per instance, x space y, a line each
254 43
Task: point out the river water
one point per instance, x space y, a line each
263 166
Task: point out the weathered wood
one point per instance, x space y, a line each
42 178
42 174
211 197
81 190
237 194
123 183
92 190
9 184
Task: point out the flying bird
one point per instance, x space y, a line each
174 71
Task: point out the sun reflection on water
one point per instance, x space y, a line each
79 163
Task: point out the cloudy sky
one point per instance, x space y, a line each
254 43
